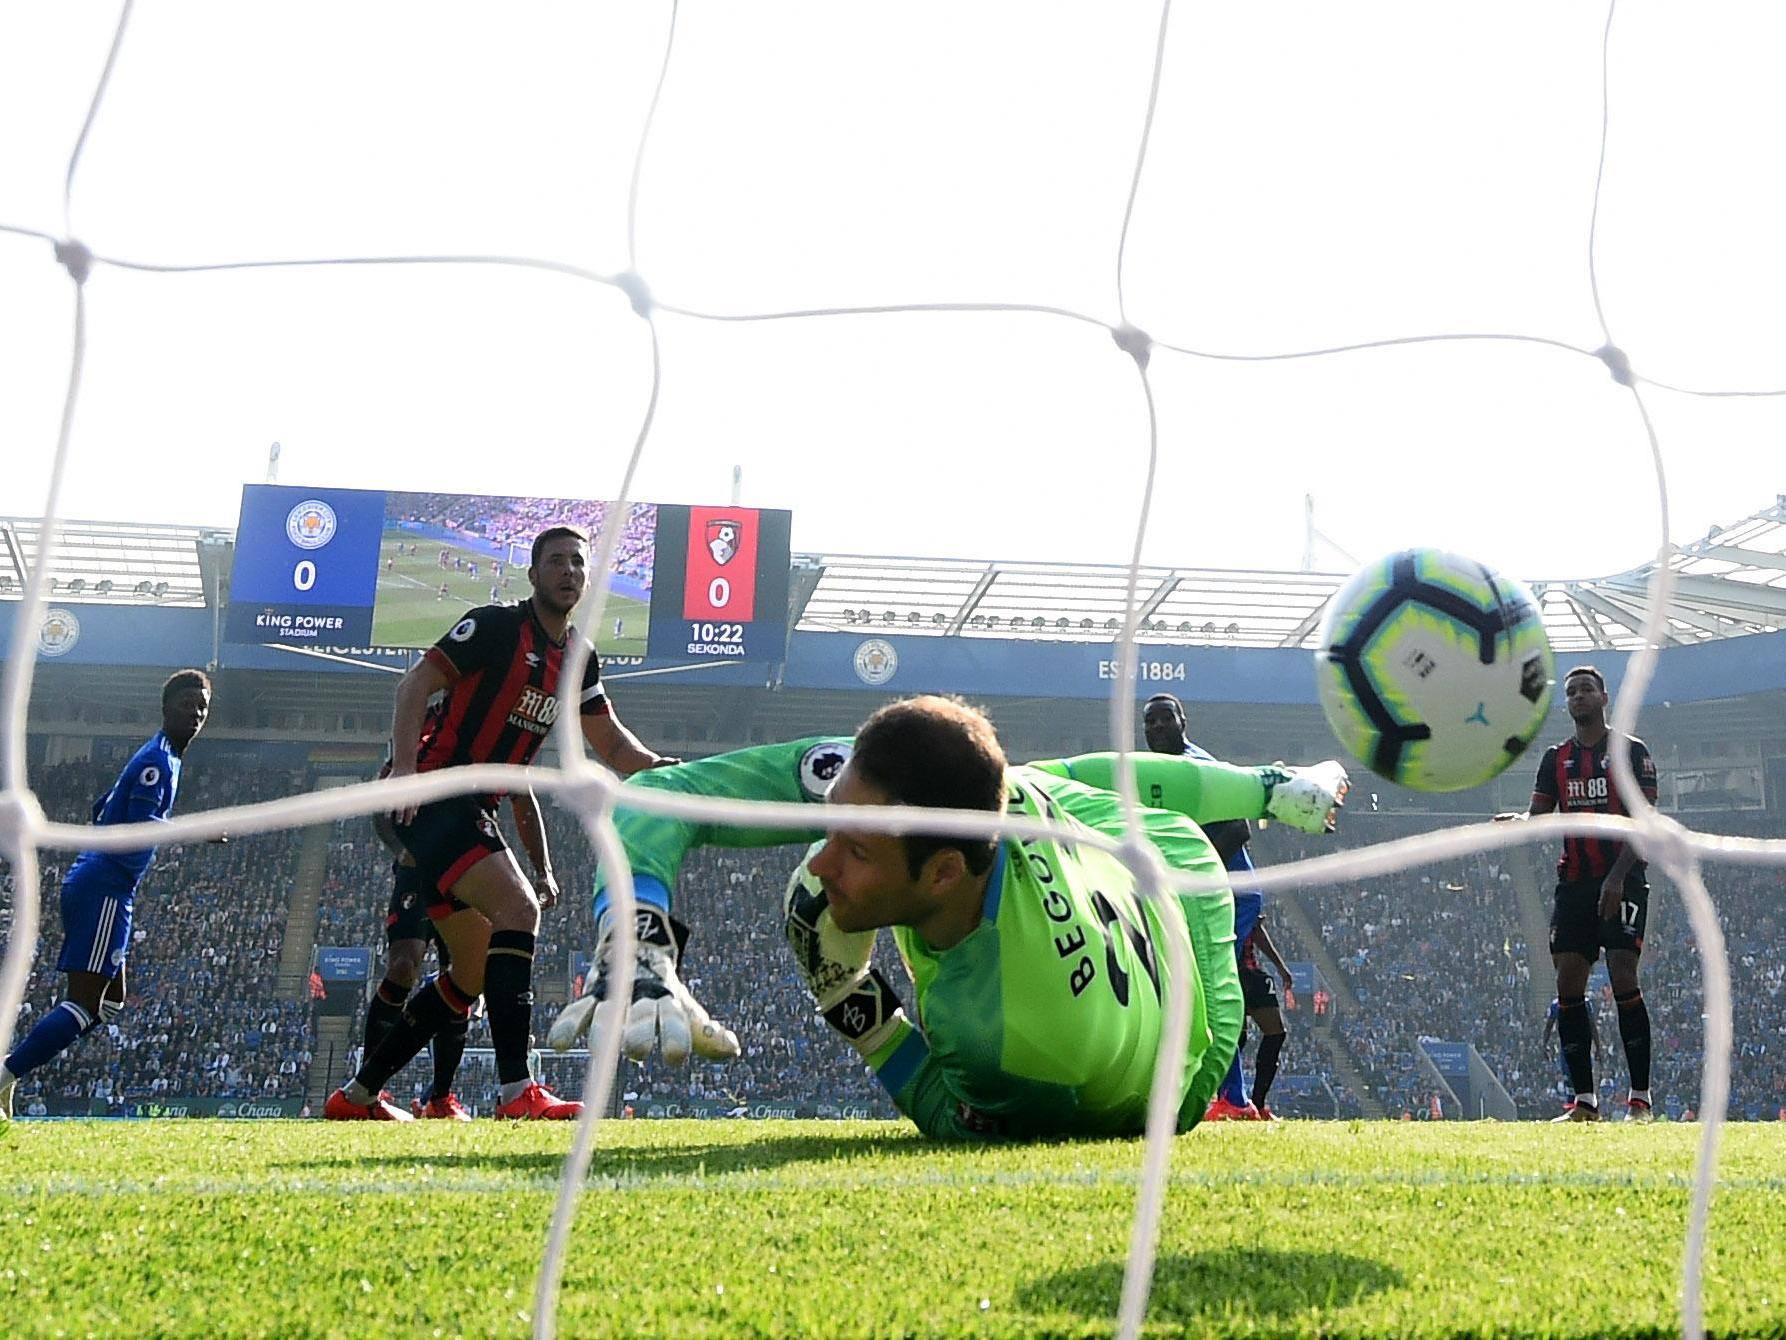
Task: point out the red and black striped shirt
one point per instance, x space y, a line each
1249 955
1578 778
503 696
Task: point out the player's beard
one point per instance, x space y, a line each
556 603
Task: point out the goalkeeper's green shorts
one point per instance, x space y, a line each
1211 923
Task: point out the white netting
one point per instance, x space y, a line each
588 790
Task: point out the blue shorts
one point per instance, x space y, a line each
96 930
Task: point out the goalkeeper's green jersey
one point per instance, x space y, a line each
1046 1018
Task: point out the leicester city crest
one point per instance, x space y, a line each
311 524
876 662
58 632
722 540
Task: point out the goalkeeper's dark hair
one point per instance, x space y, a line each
551 533
935 753
1591 671
181 680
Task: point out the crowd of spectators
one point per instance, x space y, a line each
1437 952
203 1017
505 522
1752 914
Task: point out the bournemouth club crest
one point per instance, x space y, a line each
722 540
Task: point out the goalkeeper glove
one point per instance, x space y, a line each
850 993
661 1011
1308 798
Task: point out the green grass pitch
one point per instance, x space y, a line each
208 1228
409 610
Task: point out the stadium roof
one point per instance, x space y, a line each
110 562
1730 583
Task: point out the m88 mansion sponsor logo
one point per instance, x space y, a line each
534 710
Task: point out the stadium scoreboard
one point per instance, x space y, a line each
329 568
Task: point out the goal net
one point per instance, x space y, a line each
945 341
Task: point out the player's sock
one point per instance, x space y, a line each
437 1004
449 1048
508 996
55 1033
1233 1088
383 1012
1634 1030
1265 1065
1577 1037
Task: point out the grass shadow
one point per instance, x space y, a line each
640 1162
1221 1283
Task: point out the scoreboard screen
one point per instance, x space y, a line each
331 568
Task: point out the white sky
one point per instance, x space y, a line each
1320 173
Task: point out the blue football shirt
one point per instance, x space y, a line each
143 793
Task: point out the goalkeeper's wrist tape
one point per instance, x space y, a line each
869 1015
1271 775
648 891
651 926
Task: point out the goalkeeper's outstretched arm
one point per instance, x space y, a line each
662 1011
656 845
1208 791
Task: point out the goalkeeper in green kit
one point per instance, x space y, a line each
1040 973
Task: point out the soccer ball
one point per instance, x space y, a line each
1433 669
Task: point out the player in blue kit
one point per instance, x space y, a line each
1163 726
99 891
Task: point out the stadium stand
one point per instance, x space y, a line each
220 1001
1442 955
1437 953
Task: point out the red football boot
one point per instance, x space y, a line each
1220 1109
342 1108
538 1103
445 1109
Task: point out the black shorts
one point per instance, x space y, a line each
1575 924
1259 988
447 838
406 918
